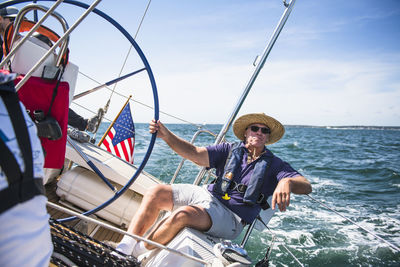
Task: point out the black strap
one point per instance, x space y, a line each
241 188
228 159
55 90
21 131
22 186
20 192
9 164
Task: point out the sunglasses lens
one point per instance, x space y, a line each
264 130
254 128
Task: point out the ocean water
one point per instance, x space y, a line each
355 172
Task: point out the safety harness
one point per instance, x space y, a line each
22 186
252 194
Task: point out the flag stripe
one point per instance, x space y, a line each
116 151
120 140
124 150
131 141
106 145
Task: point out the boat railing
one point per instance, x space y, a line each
34 7
18 21
58 43
178 169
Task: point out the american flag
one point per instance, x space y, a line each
120 139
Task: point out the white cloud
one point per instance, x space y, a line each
201 58
315 92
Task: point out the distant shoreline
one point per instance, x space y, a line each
352 127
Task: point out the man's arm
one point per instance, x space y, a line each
198 155
297 185
76 120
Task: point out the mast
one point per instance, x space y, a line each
260 65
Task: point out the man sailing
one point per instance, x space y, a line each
248 173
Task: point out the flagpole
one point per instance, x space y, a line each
112 124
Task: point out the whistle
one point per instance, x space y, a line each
226 197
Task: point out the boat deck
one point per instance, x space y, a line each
95 231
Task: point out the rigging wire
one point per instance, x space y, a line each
119 75
283 245
140 24
113 91
293 256
348 219
135 132
359 226
138 102
127 55
105 109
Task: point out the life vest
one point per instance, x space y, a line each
22 186
252 191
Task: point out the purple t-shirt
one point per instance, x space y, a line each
277 170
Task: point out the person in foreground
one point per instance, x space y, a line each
248 173
25 238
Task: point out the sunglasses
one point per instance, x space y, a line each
264 130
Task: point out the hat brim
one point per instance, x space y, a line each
241 124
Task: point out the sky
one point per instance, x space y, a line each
335 63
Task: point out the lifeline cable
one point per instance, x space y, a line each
359 226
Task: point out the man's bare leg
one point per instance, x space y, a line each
159 198
187 216
155 199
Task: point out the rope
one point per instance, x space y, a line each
359 226
73 249
117 230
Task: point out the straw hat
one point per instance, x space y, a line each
241 124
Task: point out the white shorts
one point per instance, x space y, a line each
25 238
225 224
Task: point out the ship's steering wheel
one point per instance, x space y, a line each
153 86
